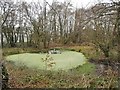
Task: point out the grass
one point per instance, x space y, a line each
23 78
87 68
12 51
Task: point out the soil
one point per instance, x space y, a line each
104 64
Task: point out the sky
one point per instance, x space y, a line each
76 3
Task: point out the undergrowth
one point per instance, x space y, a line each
22 78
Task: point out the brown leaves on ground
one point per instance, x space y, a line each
23 78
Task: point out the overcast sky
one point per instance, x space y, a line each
76 3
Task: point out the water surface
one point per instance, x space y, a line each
64 61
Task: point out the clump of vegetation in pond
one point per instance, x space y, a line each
49 62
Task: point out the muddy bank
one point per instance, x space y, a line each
104 64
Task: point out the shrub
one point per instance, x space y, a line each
49 62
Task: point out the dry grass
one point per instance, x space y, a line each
24 77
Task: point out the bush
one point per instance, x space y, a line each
113 55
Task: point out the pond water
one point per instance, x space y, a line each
64 61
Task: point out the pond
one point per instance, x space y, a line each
63 61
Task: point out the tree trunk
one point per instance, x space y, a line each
105 49
118 30
1 39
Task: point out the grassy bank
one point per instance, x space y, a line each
11 51
87 68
